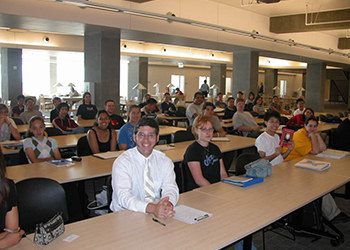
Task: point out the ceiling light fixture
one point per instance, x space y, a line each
254 34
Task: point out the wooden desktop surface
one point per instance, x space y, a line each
26 244
93 167
84 123
63 141
237 212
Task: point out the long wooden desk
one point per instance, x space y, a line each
238 212
92 167
84 123
63 141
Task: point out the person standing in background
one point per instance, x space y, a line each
204 89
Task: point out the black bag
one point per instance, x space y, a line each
180 112
334 119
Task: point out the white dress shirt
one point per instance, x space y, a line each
128 180
298 112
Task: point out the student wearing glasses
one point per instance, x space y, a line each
101 137
203 160
143 179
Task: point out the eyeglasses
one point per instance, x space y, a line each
206 129
149 136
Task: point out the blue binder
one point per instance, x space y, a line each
255 180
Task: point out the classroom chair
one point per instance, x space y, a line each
83 147
17 121
243 160
180 136
53 131
284 120
39 199
22 157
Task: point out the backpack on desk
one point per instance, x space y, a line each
258 168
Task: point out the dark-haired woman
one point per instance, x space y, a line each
300 119
86 110
8 210
101 137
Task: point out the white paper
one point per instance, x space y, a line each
220 139
71 237
109 154
190 215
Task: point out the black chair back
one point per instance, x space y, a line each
243 160
17 121
284 120
180 136
254 114
39 199
22 157
341 115
109 191
53 131
83 147
180 112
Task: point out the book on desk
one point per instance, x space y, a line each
333 154
243 181
313 165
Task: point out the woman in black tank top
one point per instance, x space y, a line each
101 137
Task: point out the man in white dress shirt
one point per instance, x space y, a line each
129 178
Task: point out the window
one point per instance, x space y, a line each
283 87
178 81
228 85
201 80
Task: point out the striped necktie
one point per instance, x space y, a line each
149 185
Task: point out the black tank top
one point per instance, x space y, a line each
104 146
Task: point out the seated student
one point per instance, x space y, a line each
301 107
64 123
300 118
116 120
87 110
39 148
208 109
167 107
268 143
26 115
249 103
243 120
195 109
101 137
143 179
145 99
7 125
19 108
308 141
55 112
274 106
150 111
219 102
126 133
231 109
73 92
342 136
203 160
258 108
8 209
242 95
178 92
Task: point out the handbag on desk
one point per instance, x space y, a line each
258 168
46 232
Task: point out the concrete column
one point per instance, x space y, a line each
11 74
102 65
271 76
218 76
138 73
315 86
245 71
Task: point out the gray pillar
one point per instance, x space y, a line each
315 86
245 71
270 81
218 76
102 65
11 74
138 73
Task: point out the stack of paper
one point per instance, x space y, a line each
332 154
190 215
109 154
220 139
313 165
164 147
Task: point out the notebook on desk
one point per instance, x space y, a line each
313 165
61 163
220 139
332 154
190 215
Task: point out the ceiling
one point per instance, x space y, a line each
291 7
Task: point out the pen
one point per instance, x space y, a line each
155 220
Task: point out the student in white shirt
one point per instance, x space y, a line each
268 143
301 107
128 175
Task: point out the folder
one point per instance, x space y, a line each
254 180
